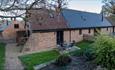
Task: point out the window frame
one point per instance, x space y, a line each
80 31
16 26
107 29
89 30
1 35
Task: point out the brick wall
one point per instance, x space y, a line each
10 31
47 40
40 41
69 36
104 30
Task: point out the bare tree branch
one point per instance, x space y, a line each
5 9
31 5
109 6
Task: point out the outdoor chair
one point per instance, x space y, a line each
71 44
60 47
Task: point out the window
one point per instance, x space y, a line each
80 32
89 30
16 26
107 29
0 34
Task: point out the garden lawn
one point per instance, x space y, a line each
83 45
2 55
38 58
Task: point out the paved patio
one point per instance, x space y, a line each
12 61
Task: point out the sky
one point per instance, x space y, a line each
86 5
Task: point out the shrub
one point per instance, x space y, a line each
89 54
83 45
76 53
105 51
63 60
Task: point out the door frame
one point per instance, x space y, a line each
59 37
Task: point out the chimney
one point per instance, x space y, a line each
7 22
102 15
11 19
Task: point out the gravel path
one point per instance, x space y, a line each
12 62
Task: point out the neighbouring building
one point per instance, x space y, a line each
8 30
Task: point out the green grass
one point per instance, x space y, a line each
83 45
2 55
38 58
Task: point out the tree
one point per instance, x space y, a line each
109 7
18 8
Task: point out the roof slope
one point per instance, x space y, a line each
47 22
80 19
68 19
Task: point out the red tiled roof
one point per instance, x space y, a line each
57 22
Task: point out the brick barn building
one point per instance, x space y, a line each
70 25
